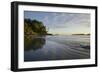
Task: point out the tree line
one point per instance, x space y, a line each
34 27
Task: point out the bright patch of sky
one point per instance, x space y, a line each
62 23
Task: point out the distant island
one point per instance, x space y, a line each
80 34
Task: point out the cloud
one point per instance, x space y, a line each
70 23
64 20
80 20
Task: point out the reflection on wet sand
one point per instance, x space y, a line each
33 42
44 48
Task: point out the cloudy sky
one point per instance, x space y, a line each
62 23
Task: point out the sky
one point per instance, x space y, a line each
62 23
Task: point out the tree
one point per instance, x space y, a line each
35 26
